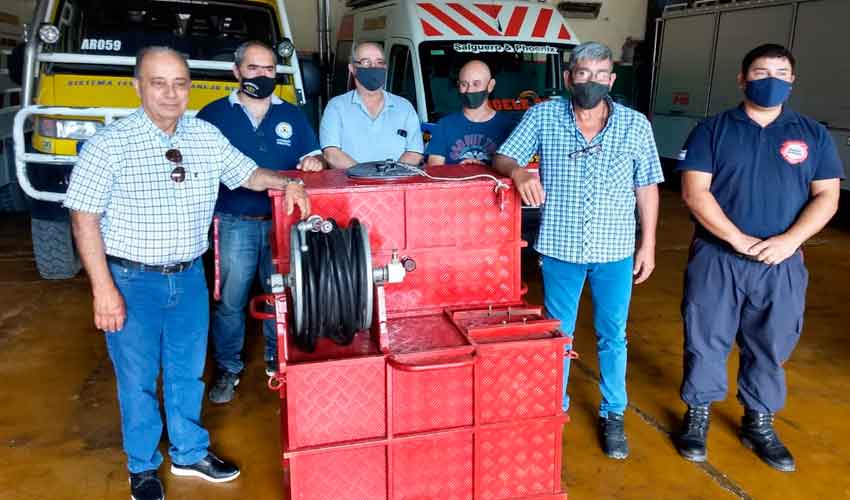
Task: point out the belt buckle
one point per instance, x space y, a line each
172 268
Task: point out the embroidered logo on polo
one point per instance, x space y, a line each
284 133
794 152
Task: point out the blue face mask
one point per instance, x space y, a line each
768 92
371 78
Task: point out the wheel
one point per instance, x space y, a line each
53 246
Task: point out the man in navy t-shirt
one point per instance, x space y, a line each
473 134
760 180
276 135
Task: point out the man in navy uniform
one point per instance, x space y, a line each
759 180
274 134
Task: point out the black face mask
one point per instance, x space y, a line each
473 100
588 95
371 78
258 87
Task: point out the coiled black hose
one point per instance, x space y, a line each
336 284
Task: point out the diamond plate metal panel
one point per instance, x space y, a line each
430 400
359 474
336 401
423 333
433 468
440 217
457 278
520 380
518 460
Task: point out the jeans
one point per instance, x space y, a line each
611 291
166 326
244 250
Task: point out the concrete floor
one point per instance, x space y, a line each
60 436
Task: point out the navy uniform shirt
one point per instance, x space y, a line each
278 142
761 177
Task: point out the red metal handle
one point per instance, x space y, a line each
256 313
406 367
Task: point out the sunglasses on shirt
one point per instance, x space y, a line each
178 175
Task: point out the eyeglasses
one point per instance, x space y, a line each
584 75
178 175
588 151
369 63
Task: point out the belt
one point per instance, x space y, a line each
177 267
254 217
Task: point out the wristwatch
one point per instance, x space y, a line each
294 180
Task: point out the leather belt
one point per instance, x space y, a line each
177 267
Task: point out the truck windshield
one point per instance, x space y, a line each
525 73
205 30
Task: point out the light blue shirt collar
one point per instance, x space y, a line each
233 99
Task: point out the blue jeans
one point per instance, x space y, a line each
244 250
611 291
166 326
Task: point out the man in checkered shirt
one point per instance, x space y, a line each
597 162
141 198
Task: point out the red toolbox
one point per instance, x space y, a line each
455 392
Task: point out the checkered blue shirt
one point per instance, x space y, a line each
123 174
589 212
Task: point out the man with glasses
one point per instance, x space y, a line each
274 134
141 198
760 180
369 123
473 134
597 161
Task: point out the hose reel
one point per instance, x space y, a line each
331 280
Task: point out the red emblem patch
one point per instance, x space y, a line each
794 152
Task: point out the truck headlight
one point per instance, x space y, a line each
68 129
48 33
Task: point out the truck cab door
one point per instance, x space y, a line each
403 75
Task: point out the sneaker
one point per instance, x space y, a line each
224 387
146 486
271 367
613 436
210 468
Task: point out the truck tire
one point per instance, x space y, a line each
53 246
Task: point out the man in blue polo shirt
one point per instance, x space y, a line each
760 180
276 135
475 133
368 123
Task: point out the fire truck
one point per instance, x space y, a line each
77 75
699 47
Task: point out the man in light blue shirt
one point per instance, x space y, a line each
368 123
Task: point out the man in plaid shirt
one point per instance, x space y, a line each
141 198
597 162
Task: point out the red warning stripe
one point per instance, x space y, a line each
486 28
516 21
490 9
542 24
448 21
564 34
428 29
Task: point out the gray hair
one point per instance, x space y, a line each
357 47
589 51
239 54
156 49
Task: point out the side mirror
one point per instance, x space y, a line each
15 63
311 77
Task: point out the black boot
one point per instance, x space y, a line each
612 433
757 434
691 442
